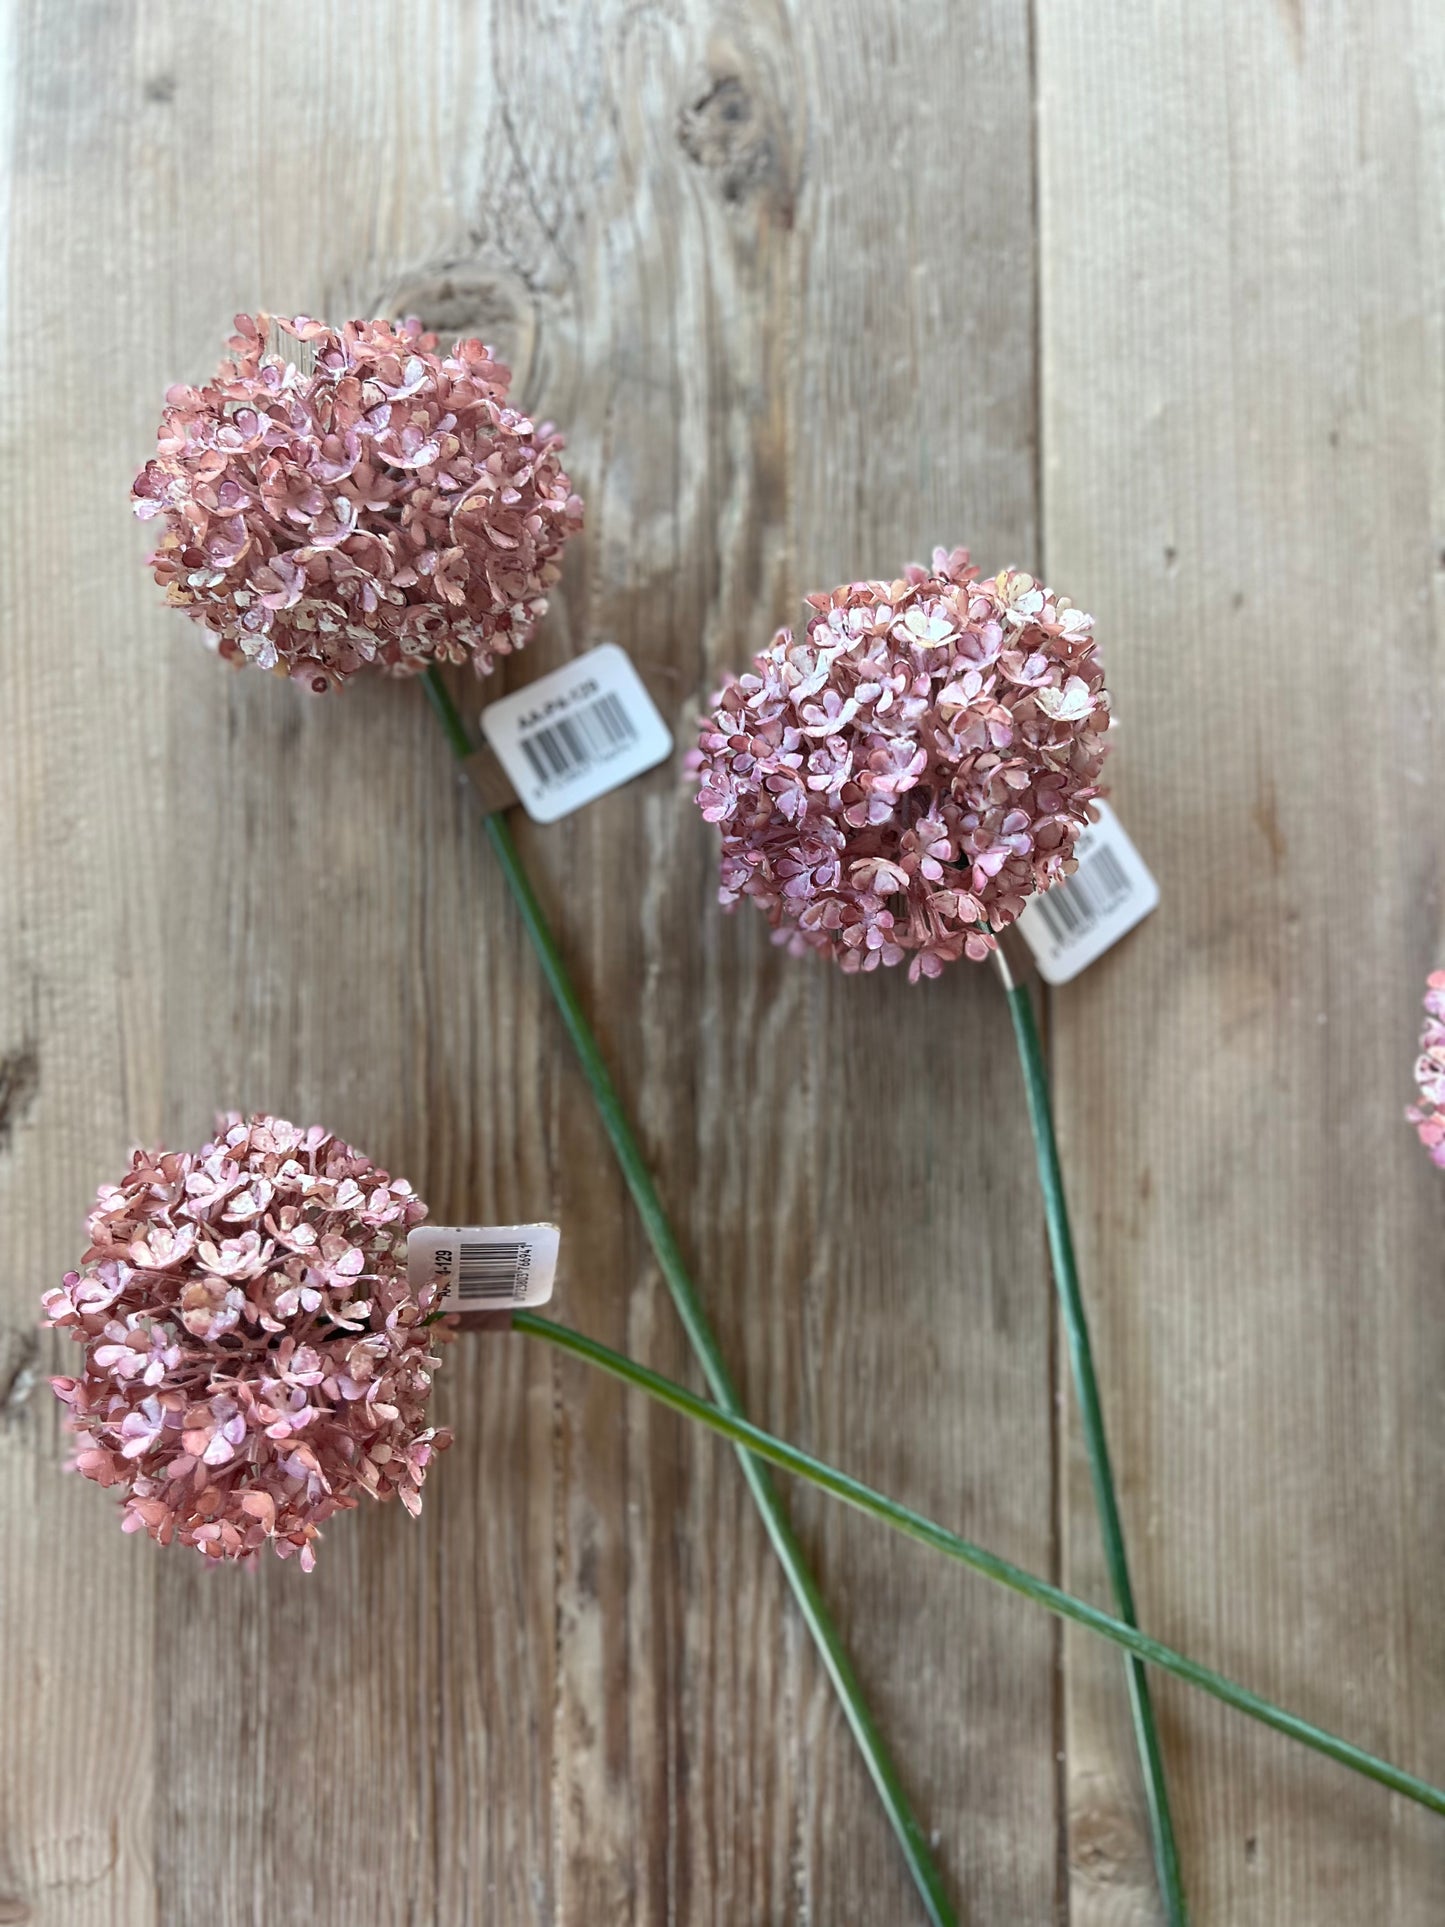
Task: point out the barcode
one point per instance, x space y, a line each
491 1271
1096 889
563 749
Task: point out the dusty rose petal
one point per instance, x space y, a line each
1428 1116
206 1366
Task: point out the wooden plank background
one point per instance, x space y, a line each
1150 298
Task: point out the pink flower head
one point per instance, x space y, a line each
1428 1116
254 1356
384 508
897 781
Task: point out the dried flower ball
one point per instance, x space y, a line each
255 1358
899 779
1428 1116
383 508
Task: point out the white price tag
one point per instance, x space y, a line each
1082 917
495 1267
570 737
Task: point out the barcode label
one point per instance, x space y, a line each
485 1267
572 736
1082 917
1095 888
558 751
492 1272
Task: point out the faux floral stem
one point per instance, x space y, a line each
1091 1414
1139 1646
911 1837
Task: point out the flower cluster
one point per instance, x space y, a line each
901 777
255 1359
384 507
1428 1116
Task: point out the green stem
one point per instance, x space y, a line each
1138 1645
1091 1414
911 1837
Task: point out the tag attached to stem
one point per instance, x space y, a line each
1070 926
571 736
484 1268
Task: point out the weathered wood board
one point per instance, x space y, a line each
811 288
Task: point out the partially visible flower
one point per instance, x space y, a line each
384 509
240 1387
897 781
1428 1116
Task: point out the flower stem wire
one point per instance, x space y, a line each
911 1837
1091 1416
1140 1647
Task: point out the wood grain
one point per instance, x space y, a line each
774 266
1241 251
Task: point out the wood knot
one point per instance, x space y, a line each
723 132
19 1371
1105 1848
19 1082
